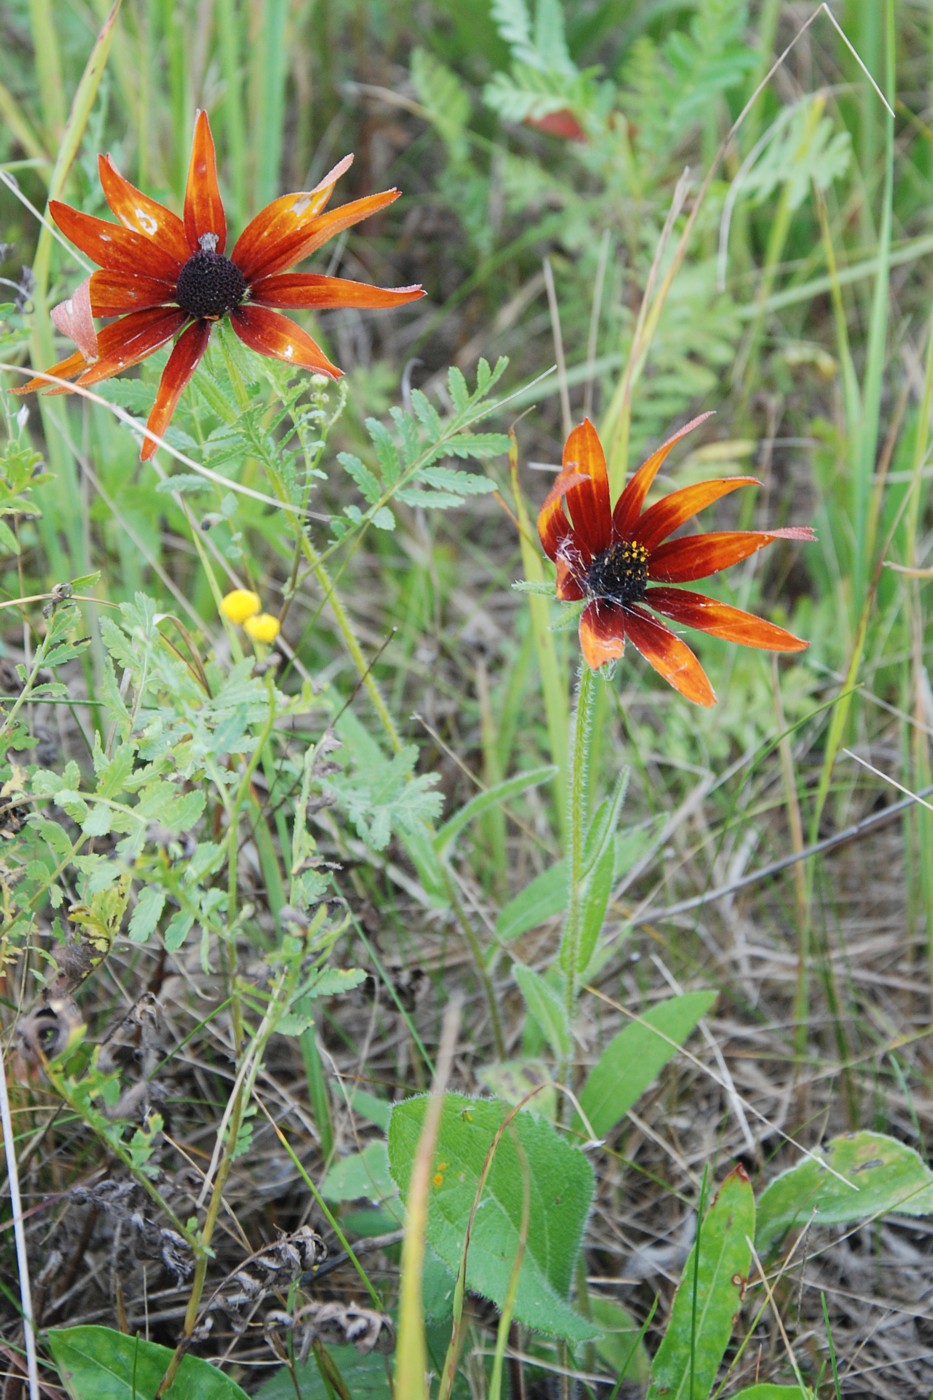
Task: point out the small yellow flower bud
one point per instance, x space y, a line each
262 628
240 605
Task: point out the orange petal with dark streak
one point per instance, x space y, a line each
143 215
181 365
115 293
629 504
602 633
132 339
287 231
204 210
268 333
669 656
668 514
697 556
721 620
306 289
112 246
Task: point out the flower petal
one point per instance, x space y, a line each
65 369
583 483
271 334
569 585
632 499
290 229
554 528
721 620
131 339
114 293
669 656
666 515
141 214
602 633
74 318
204 210
182 363
307 289
124 342
112 246
698 556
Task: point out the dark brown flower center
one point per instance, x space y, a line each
619 574
209 285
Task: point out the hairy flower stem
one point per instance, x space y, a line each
578 816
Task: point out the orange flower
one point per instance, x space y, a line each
609 555
162 274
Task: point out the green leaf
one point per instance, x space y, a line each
361 1176
708 1296
542 898
492 797
147 913
96 1363
775 1392
594 901
545 1006
634 1058
621 1343
531 1159
876 1175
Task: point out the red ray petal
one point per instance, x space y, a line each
569 587
633 497
602 633
554 528
271 334
583 484
204 210
142 214
74 318
260 239
123 343
306 289
182 363
131 339
290 229
721 620
666 515
669 656
65 369
698 556
112 246
114 293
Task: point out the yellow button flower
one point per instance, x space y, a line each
240 605
262 627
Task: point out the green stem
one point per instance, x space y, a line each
578 813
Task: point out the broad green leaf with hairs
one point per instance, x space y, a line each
857 1177
708 1296
531 1167
97 1363
633 1058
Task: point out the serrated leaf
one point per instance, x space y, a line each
530 1157
147 913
